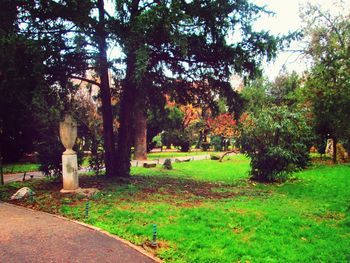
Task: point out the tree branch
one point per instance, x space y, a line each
86 80
147 5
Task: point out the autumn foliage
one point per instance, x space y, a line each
223 125
190 115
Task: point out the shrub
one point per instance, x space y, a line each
167 164
181 138
276 140
50 153
205 146
96 160
216 141
313 149
342 155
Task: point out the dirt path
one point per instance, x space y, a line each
32 236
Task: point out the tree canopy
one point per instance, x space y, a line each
328 81
167 46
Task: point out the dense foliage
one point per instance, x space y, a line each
222 128
328 86
181 128
277 141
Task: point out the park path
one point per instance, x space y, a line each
16 177
32 236
135 163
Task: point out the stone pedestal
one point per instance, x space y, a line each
70 173
68 135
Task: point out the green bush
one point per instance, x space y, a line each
96 160
216 141
50 155
49 146
277 141
182 138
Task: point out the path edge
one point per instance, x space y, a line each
124 241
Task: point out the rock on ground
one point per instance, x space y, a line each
22 193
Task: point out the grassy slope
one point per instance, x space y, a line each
300 221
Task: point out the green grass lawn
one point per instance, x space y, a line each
208 211
20 167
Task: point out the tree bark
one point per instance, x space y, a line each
127 106
335 150
127 103
107 117
1 170
140 133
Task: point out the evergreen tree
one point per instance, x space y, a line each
167 47
188 39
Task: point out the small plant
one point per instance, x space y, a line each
167 164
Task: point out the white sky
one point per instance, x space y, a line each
287 19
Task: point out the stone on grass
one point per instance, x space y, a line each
149 165
214 157
167 164
182 160
22 193
88 192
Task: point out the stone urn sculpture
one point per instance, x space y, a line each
68 135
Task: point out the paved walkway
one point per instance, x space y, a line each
32 236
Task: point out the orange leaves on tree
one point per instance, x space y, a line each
191 115
223 125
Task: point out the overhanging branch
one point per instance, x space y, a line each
85 79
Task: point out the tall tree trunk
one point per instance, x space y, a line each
140 132
107 116
127 106
335 150
127 103
222 143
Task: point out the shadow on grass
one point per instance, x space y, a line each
182 188
138 188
